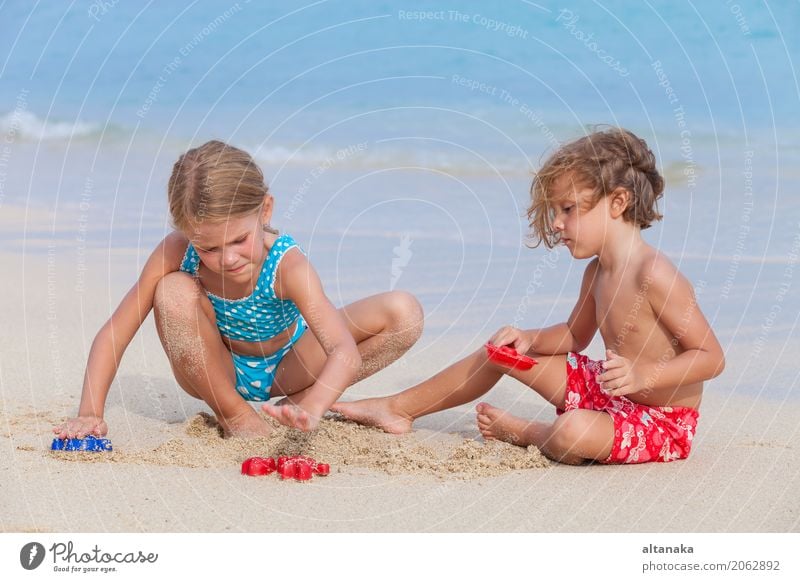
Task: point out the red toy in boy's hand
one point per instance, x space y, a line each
508 356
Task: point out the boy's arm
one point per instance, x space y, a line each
113 339
298 281
578 331
674 303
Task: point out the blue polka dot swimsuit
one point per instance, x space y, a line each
258 317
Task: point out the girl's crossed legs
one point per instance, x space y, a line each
383 326
574 437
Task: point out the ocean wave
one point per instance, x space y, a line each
27 126
367 157
381 151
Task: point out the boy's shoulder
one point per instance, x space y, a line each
654 264
659 276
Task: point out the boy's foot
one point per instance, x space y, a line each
495 423
375 412
245 426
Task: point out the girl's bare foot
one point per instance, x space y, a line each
245 425
495 423
375 412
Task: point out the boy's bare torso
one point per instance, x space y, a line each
629 326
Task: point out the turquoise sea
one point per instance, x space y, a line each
437 83
399 137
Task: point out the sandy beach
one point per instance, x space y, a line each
399 143
171 472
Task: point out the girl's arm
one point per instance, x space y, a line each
114 337
298 281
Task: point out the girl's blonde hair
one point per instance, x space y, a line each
602 161
214 182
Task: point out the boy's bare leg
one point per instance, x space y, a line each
576 436
201 363
463 382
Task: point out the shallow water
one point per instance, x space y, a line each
399 143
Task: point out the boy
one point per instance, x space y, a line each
594 196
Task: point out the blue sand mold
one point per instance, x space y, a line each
90 443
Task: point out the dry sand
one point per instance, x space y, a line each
171 471
340 443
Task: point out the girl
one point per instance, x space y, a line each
233 301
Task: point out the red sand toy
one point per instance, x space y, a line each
257 466
508 356
298 467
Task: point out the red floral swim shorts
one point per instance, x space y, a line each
642 433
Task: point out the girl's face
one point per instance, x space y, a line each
233 248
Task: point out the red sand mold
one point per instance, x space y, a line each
298 467
508 356
258 466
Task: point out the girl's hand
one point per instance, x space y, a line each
519 339
81 427
620 376
292 415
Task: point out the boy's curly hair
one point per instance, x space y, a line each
602 161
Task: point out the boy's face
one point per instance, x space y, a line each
582 227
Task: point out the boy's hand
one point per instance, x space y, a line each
81 427
519 339
620 377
